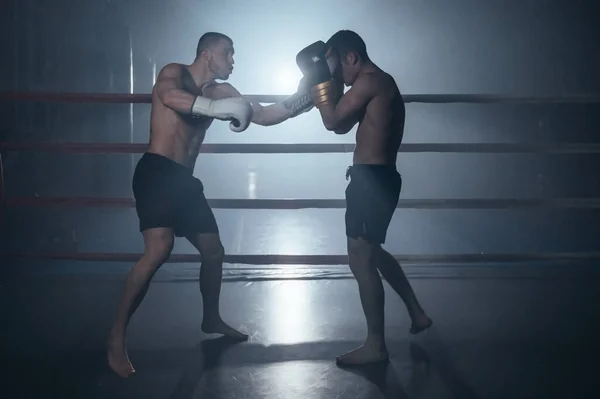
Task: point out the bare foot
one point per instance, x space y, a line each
367 354
220 327
420 323
118 360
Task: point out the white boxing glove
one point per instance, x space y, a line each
235 109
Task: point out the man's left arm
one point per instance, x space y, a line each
343 115
270 115
263 115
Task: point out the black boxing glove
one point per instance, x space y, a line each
301 101
312 61
318 70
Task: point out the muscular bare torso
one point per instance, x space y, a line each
381 126
175 136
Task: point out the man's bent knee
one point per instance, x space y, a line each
360 250
210 247
215 253
158 245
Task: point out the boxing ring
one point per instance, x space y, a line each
439 353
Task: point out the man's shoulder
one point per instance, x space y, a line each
219 85
381 82
384 78
174 65
219 90
172 70
225 86
375 79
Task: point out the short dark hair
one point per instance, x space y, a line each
347 41
209 39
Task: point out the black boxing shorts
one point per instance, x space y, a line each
168 195
371 199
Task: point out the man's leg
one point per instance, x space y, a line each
199 226
211 273
392 272
362 256
387 192
158 244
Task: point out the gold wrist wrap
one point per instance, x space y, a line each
324 93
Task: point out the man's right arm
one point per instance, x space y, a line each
170 91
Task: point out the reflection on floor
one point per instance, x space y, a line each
523 334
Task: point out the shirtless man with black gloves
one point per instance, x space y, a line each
375 103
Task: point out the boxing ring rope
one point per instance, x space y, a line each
316 260
332 148
108 98
295 204
128 148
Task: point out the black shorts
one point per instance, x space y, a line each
371 199
168 195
